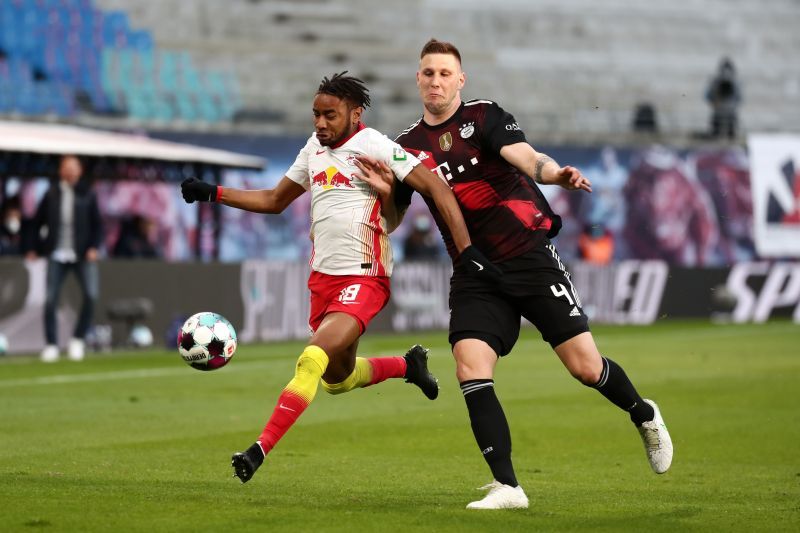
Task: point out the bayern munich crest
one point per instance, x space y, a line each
467 130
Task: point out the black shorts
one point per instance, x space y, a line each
535 285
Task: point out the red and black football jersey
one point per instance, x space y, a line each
505 211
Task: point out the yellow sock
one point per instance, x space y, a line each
311 364
295 397
360 377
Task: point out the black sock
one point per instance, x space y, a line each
615 385
490 428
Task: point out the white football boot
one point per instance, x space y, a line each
501 497
76 349
657 442
49 354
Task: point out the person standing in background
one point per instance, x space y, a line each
11 230
724 95
67 229
421 243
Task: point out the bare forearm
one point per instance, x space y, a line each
451 213
545 169
257 201
427 183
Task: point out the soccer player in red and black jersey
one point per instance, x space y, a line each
481 152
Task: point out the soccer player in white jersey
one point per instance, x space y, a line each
351 257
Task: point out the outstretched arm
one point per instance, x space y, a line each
258 201
543 168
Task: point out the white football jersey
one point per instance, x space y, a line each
348 229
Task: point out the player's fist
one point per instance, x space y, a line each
195 190
478 265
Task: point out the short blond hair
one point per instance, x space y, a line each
435 46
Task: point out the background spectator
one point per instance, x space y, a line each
11 231
67 229
135 239
422 243
596 245
724 95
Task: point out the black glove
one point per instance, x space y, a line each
194 189
478 265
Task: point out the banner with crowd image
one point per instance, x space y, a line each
683 207
686 207
709 206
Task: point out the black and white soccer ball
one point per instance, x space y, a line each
206 341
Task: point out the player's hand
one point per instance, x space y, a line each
571 179
478 265
376 174
195 190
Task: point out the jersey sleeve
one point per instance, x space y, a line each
298 172
500 128
391 153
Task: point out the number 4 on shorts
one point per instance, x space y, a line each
560 290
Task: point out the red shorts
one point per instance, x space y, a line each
361 297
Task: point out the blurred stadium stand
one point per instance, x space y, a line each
570 70
63 58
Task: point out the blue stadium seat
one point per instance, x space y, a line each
186 107
6 92
163 109
167 71
207 107
70 45
26 101
141 40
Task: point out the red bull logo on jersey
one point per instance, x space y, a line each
330 178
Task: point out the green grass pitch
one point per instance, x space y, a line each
141 442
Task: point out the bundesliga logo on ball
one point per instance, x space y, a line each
206 341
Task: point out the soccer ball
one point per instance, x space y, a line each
206 341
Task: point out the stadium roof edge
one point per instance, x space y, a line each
77 140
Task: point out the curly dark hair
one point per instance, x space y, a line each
346 88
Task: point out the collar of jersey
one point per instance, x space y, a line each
446 122
360 127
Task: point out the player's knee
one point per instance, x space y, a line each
586 373
466 372
313 360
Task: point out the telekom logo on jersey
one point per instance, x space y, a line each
442 170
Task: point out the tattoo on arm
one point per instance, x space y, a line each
541 161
